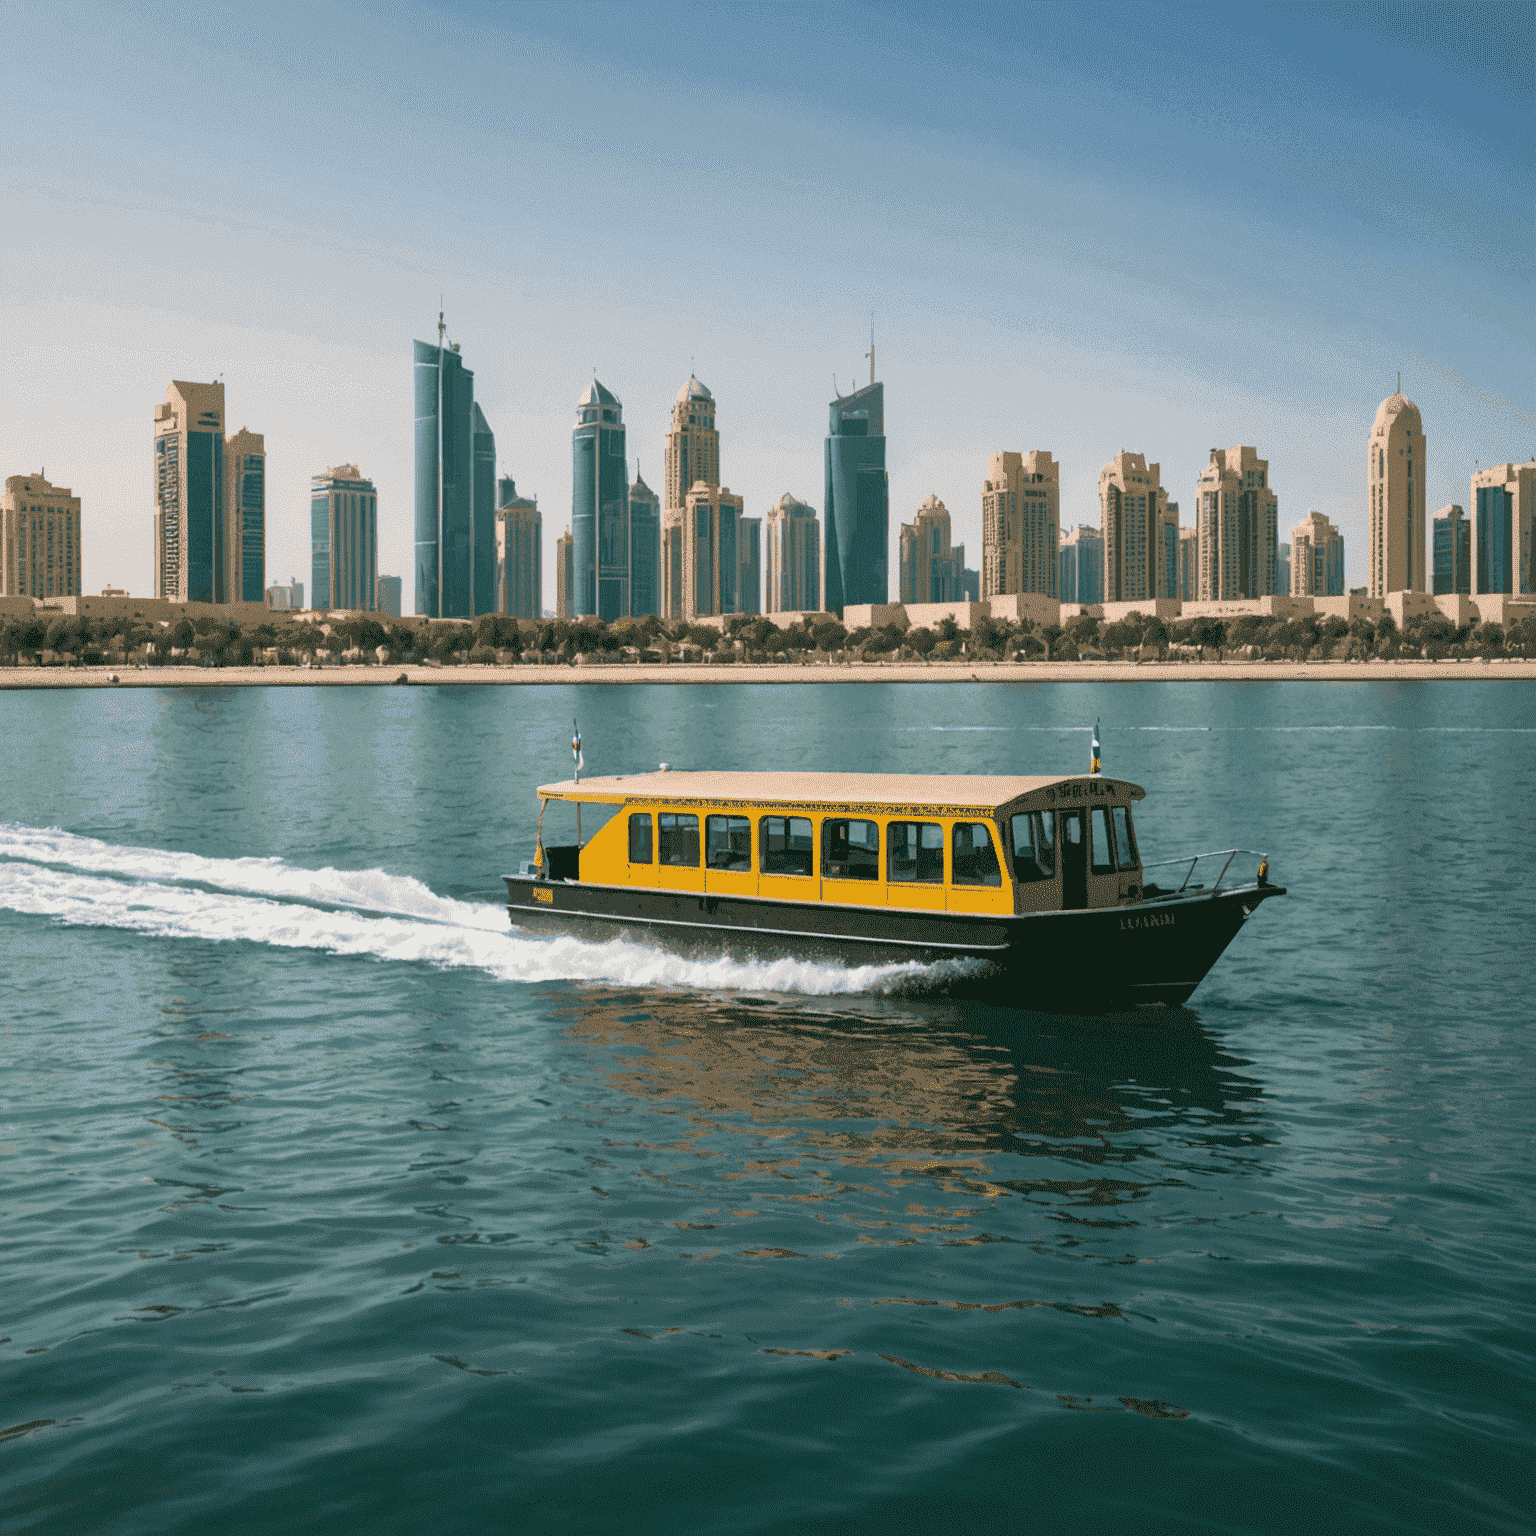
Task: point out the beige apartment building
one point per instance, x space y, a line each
565 576
705 558
794 557
1237 521
1317 558
1395 478
1140 560
1188 578
1504 528
39 539
692 460
930 569
1020 524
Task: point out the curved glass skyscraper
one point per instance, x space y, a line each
455 490
599 506
857 506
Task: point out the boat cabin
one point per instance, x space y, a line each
983 844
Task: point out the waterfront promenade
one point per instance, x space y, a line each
685 673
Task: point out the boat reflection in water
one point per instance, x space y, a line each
928 1087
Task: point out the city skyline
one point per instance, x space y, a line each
995 327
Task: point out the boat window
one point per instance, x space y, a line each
679 839
1125 841
975 861
640 838
1032 854
1102 863
850 850
728 842
786 845
1045 839
915 851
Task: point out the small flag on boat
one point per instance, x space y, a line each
576 749
1097 766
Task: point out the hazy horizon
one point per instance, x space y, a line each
1153 229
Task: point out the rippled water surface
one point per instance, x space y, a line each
329 1203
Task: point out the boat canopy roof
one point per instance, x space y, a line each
935 793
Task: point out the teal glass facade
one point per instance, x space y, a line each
1495 540
454 540
205 518
644 550
599 507
251 492
857 505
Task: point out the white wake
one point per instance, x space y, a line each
83 882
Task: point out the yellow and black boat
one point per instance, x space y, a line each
1035 884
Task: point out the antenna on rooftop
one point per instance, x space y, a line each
871 353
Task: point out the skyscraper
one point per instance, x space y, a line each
1080 566
1238 519
857 500
705 549
1167 546
929 568
1021 524
1188 581
519 585
644 549
794 557
600 506
692 460
190 534
1452 552
693 446
445 481
245 503
39 539
749 565
344 543
483 512
387 600
1395 480
1317 558
1134 509
565 577
1503 528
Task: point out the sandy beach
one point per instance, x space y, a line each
684 673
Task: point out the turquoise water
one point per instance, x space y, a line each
328 1203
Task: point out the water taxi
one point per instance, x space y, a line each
1032 888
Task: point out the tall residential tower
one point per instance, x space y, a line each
344 539
1020 524
1237 522
794 557
1395 480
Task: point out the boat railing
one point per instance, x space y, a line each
1203 864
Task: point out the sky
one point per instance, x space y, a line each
1078 228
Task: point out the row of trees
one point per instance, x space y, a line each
497 637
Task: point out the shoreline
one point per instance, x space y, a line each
703 673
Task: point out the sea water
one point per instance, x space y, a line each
330 1203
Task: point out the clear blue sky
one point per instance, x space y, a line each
1081 228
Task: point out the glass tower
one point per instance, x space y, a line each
857 500
644 549
446 522
599 507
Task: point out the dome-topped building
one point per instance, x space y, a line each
693 390
1395 478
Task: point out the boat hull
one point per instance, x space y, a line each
1086 961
